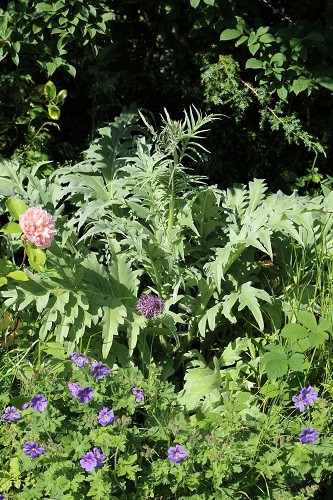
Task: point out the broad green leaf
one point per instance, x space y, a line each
253 63
326 82
50 91
307 319
18 275
276 362
300 85
61 97
294 331
296 362
36 256
11 227
230 34
282 92
270 389
266 38
3 281
194 3
16 207
54 112
278 59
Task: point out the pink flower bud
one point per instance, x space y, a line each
38 226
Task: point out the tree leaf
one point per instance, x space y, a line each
230 34
253 63
50 91
54 112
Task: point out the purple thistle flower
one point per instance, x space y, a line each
139 394
99 370
308 395
38 403
88 461
92 459
85 394
11 415
299 403
80 359
33 449
105 416
150 305
100 458
177 454
308 435
74 388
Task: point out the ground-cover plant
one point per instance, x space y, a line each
89 430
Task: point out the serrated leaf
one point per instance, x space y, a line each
296 362
276 362
307 319
198 383
16 207
232 352
55 349
294 331
113 315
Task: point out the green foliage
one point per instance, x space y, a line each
233 449
46 30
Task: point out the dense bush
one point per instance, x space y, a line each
268 68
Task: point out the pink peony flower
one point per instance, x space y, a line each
38 226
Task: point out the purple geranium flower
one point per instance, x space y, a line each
177 454
308 435
2 497
150 305
100 458
38 403
74 388
299 403
99 370
11 415
309 395
25 406
306 397
88 461
139 394
33 449
92 459
80 359
105 416
85 394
